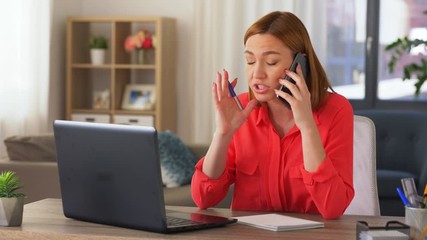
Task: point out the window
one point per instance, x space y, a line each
406 18
345 62
357 63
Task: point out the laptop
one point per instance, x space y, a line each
110 174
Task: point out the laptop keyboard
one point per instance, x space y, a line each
176 222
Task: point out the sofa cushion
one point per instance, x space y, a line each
390 180
31 148
177 161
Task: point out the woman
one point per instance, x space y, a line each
297 159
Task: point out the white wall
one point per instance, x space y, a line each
60 11
181 10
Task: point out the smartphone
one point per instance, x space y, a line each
299 59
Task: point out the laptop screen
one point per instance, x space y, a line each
110 174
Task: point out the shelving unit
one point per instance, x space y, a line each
83 79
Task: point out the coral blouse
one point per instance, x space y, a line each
268 172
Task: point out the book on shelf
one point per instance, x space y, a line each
277 222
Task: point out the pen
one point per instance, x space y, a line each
233 94
425 196
403 197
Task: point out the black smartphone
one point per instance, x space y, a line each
299 59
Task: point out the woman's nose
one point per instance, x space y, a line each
258 71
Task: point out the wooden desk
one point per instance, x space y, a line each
45 220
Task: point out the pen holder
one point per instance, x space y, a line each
417 219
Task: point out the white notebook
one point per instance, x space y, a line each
277 222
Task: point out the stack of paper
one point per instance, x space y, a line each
277 222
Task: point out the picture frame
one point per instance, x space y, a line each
139 97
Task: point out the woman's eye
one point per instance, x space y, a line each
272 63
250 63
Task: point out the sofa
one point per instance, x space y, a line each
401 139
33 158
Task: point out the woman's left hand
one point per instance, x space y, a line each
300 100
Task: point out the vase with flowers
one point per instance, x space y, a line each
140 42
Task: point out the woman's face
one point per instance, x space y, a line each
266 60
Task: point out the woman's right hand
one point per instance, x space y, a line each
228 119
228 116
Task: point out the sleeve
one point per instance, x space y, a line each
207 192
331 185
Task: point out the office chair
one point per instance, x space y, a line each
365 201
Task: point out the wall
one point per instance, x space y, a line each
181 10
60 11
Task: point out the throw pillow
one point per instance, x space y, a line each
32 148
177 161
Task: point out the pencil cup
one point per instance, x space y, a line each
417 219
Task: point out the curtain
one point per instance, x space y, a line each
219 27
24 75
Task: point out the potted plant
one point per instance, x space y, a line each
11 201
98 47
400 48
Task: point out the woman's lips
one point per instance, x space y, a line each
260 88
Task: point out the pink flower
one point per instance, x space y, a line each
141 40
129 44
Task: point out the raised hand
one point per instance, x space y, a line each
228 116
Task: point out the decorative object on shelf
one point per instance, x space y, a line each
101 99
139 97
140 42
98 47
406 45
140 56
11 202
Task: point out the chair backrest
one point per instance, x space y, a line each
365 200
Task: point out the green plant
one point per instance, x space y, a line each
401 47
98 42
9 184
